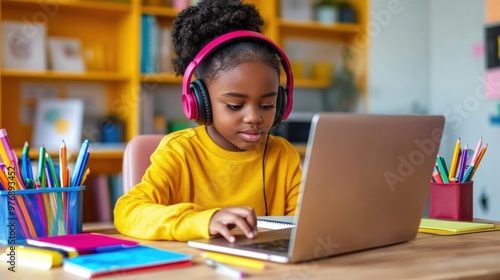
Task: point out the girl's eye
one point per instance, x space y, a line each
238 107
234 107
267 107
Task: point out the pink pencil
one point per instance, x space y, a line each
476 151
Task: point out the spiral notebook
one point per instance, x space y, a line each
275 222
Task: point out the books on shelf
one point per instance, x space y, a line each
101 195
166 47
23 45
126 260
99 198
149 29
156 49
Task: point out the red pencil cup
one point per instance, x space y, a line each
451 201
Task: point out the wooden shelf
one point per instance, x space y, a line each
312 83
169 78
57 75
101 161
165 78
160 11
53 6
339 32
312 27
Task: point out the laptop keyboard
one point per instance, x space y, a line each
279 245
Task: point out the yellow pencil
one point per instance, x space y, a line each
87 172
234 260
454 160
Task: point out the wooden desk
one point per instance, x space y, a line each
469 256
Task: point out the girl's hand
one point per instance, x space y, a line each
226 219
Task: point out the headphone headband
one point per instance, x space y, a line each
188 99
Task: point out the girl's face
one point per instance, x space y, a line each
243 103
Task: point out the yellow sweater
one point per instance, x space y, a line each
191 177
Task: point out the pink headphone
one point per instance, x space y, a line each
195 97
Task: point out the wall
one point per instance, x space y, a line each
398 57
458 91
431 54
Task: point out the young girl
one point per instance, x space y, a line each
204 181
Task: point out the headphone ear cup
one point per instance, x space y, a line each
200 92
280 106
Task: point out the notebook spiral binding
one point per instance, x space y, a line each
273 224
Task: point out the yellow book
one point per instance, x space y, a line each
33 257
453 227
234 260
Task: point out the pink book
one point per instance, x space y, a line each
83 243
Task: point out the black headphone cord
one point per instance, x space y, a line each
264 173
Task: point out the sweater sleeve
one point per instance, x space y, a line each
154 209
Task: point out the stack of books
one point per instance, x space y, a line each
90 254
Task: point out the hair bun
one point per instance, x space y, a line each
197 25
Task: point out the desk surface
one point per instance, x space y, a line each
468 256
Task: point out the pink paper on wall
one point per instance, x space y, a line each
493 83
478 50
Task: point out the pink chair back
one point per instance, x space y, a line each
136 158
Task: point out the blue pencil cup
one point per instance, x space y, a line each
37 213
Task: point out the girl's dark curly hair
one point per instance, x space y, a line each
197 25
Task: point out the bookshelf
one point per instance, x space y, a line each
110 26
113 26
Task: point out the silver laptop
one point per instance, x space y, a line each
365 183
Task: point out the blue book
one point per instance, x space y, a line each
127 260
152 65
144 43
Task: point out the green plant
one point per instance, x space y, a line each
344 94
